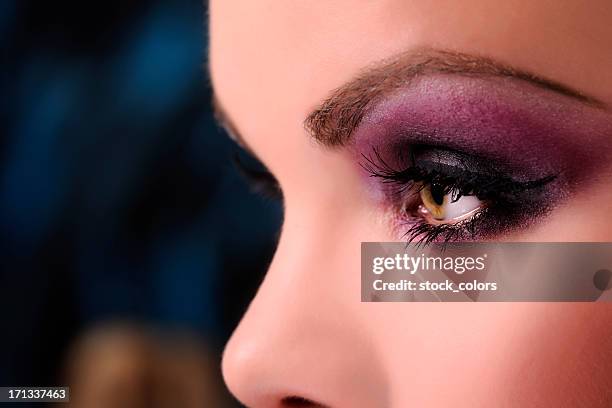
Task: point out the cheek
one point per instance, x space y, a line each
569 357
538 354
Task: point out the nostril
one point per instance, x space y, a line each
299 402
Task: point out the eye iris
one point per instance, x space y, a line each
433 198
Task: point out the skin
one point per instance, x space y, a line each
306 333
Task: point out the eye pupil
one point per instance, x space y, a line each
437 194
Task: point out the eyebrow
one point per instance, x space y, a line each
334 121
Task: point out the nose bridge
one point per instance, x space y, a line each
302 334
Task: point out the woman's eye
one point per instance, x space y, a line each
439 206
443 195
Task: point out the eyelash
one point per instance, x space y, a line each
507 201
260 180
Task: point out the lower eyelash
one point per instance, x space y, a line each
424 233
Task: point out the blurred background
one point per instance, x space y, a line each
130 246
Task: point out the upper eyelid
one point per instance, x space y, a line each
225 122
258 177
413 172
223 119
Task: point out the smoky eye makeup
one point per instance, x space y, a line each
460 159
440 195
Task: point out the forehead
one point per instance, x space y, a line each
275 60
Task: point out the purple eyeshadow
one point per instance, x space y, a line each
530 132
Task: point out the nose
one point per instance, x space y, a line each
302 341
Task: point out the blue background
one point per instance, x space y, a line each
118 198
